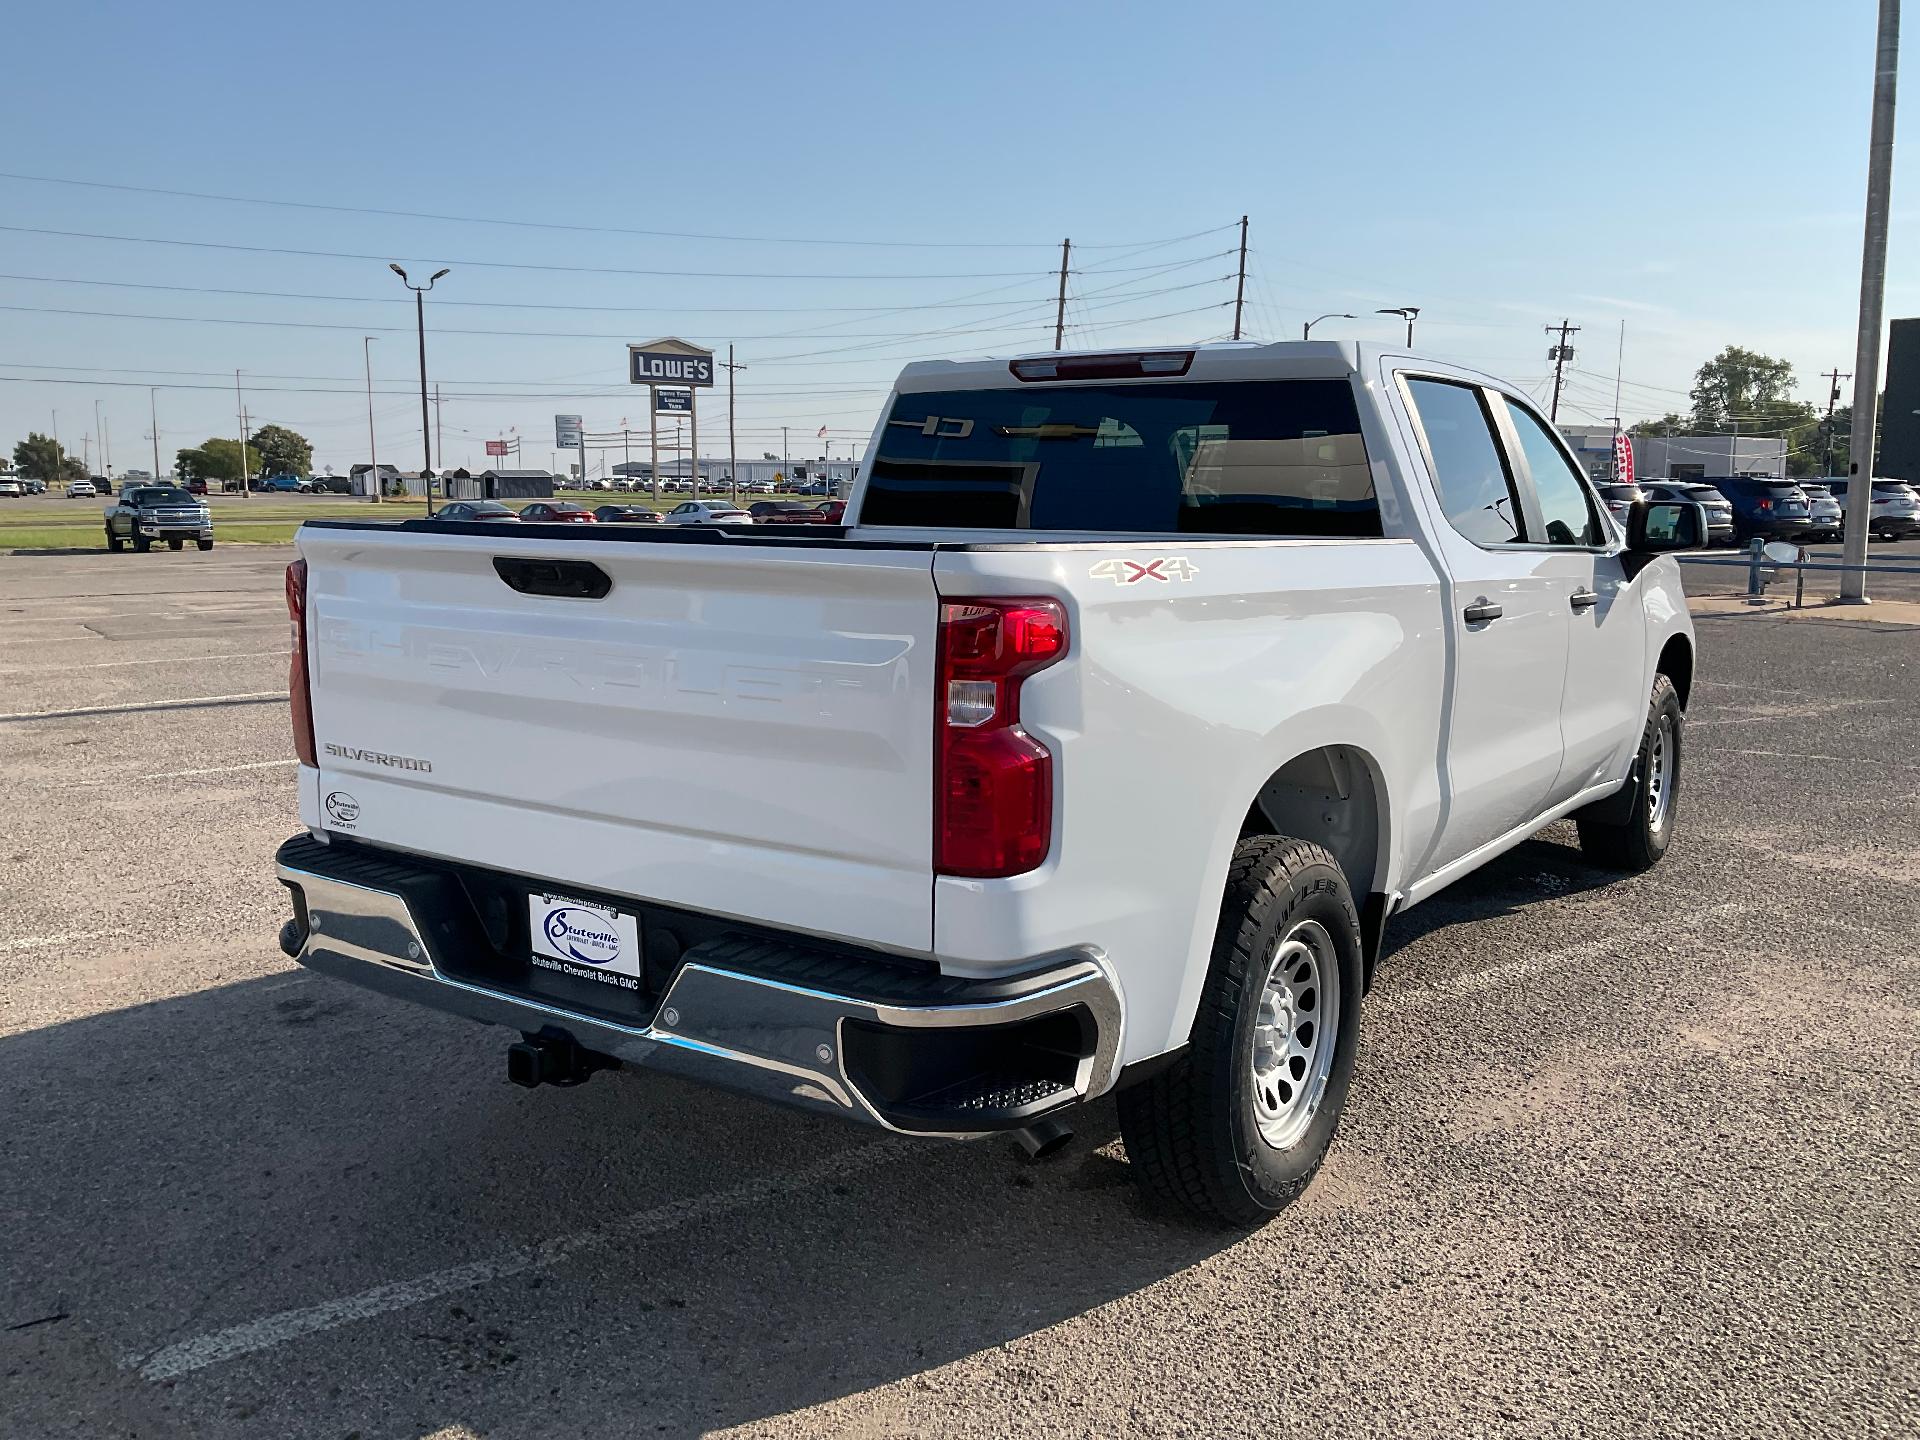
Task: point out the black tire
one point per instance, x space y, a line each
1193 1130
1631 831
204 544
175 544
141 544
114 543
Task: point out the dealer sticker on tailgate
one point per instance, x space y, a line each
588 940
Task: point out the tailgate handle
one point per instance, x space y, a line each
569 579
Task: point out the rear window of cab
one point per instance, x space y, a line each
1270 458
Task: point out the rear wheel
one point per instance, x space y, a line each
114 542
1236 1128
141 543
205 544
1631 830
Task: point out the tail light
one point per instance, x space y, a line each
993 782
1763 504
1125 366
300 698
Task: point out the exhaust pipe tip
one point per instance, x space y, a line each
1043 1138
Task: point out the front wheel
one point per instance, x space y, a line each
1632 829
141 543
114 543
1236 1128
204 544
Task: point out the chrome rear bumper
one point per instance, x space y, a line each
717 1022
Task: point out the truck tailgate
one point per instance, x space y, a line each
738 728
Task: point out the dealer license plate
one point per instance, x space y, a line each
585 939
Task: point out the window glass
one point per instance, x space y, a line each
1565 509
1474 490
1281 457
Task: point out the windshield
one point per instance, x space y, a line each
163 495
1247 458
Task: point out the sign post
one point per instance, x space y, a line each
683 367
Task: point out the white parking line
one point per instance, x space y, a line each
216 770
1472 982
180 704
163 660
41 942
185 1356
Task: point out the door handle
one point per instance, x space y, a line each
1583 599
1480 613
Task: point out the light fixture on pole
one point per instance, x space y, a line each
1406 313
1306 330
420 320
373 447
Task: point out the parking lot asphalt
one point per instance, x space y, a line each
1624 1157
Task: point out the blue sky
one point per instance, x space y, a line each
1694 169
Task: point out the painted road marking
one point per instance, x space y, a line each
214 770
163 660
184 1357
41 942
256 698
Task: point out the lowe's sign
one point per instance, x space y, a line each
669 362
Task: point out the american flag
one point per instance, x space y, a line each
823 433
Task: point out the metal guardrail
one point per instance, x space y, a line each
1762 568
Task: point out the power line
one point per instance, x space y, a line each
588 229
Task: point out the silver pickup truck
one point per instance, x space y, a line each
146 513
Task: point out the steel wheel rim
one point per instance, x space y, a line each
1660 759
1295 1031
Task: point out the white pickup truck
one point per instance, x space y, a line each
1094 755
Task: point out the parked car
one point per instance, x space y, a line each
102 485
1894 509
767 512
1771 509
707 512
626 515
557 512
12 489
146 513
195 487
791 512
35 487
1823 511
286 485
81 490
1619 499
469 510
1719 509
1048 785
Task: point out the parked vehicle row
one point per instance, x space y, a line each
1741 507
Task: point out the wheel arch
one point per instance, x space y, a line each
1676 663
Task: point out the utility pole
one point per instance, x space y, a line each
1873 286
439 430
153 414
1833 378
1559 354
733 448
373 445
241 405
1060 308
1240 286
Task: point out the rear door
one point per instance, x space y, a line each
738 729
1509 620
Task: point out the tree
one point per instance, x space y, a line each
282 451
1668 424
40 457
1743 387
217 459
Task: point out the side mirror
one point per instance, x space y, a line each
1662 527
1659 527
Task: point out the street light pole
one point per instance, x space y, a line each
373 445
420 321
1306 330
1406 313
153 416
